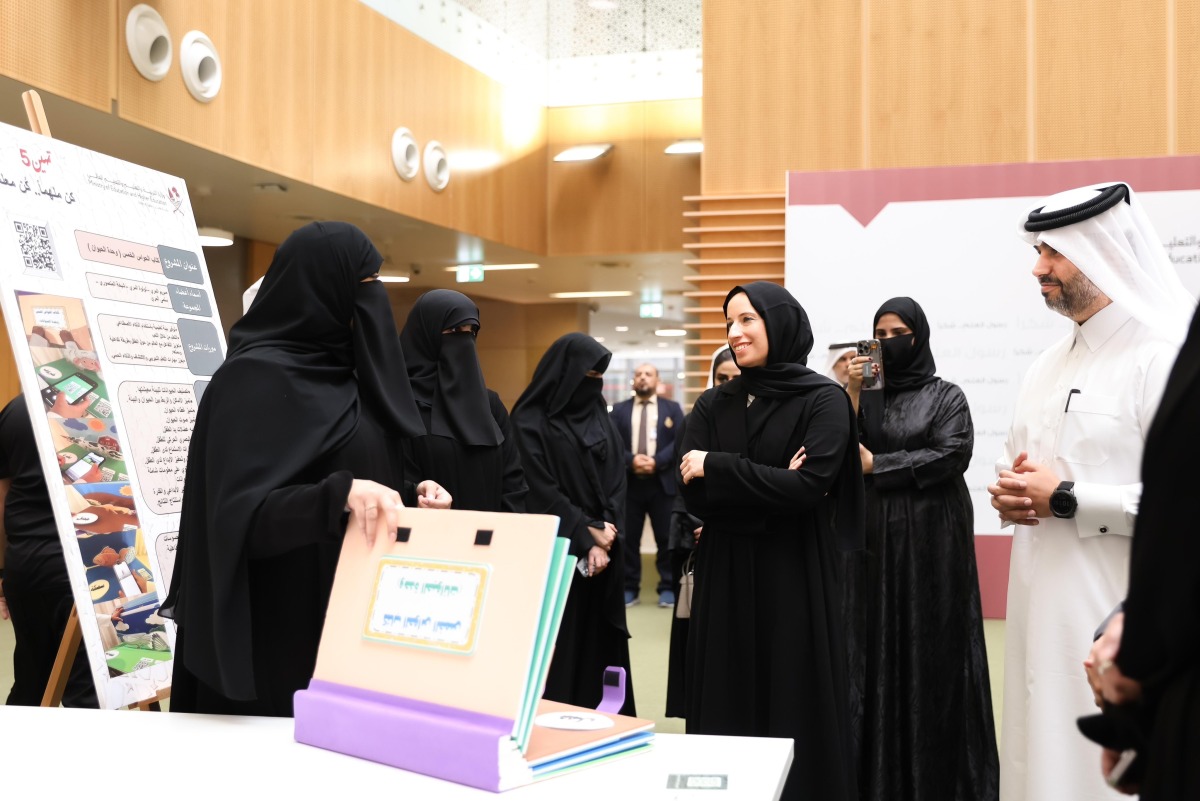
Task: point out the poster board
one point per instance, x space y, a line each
947 237
115 332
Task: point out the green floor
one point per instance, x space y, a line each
650 627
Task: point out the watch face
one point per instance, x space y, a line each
1062 502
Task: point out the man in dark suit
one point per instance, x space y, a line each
648 425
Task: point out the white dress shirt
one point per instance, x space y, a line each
1083 410
651 425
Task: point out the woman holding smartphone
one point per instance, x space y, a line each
575 468
918 663
766 654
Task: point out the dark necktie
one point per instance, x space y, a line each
643 447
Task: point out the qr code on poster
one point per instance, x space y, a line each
36 249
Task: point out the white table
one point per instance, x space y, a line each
212 756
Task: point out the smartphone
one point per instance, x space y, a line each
1125 762
84 466
74 386
582 567
872 371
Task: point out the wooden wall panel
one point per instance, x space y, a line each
598 206
166 106
782 90
10 384
62 46
1100 79
1187 76
373 76
946 83
268 78
629 201
669 178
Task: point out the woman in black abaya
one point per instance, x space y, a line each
470 449
294 431
766 655
683 544
574 466
919 673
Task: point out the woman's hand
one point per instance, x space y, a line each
604 536
374 510
868 459
597 560
692 465
798 460
696 534
854 373
432 495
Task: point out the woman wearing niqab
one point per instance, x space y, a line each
575 469
295 429
920 693
766 654
470 448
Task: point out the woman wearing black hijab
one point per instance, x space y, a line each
292 433
470 449
573 463
766 655
918 663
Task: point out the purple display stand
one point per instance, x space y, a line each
447 743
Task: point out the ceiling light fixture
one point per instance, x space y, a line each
621 329
685 146
584 152
214 237
575 295
670 332
394 279
490 267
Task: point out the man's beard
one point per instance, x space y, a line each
1074 296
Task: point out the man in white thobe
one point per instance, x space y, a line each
1069 477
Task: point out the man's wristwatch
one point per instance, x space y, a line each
1062 500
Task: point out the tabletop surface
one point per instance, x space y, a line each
219 754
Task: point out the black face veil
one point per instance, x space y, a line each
444 368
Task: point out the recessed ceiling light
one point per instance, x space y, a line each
584 152
598 339
394 279
685 146
621 329
214 237
670 332
572 295
490 267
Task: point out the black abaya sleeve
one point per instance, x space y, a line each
695 438
948 449
286 519
546 496
514 488
731 479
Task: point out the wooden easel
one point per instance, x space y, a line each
72 635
